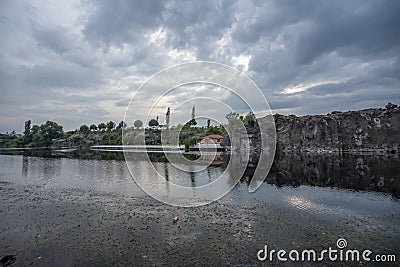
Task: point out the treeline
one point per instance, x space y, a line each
51 134
109 126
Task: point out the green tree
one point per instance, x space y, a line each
250 119
189 142
121 125
232 117
93 127
102 126
213 130
84 128
138 124
110 125
153 123
186 126
193 121
49 131
27 132
167 117
35 129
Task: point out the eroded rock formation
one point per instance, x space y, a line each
363 130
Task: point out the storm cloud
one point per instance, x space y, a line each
79 62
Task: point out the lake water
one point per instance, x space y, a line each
60 210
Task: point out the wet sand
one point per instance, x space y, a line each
73 227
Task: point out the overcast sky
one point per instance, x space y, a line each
79 62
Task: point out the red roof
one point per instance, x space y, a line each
213 136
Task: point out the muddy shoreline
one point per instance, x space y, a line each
73 227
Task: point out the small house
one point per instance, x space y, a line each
211 139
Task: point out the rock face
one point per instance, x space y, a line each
364 130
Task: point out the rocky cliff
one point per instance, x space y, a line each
364 130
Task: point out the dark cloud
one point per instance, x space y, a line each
65 75
265 20
55 39
121 21
80 61
367 29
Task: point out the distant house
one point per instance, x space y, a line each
211 139
209 142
